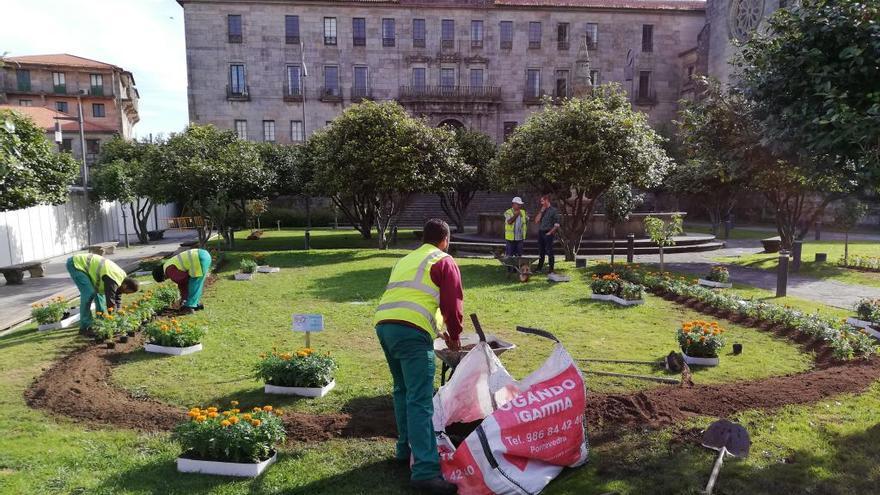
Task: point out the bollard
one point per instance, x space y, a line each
727 226
730 219
818 231
630 247
580 262
782 274
821 257
796 251
230 238
308 240
279 225
394 236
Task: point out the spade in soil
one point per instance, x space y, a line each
728 439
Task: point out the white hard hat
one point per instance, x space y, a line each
518 200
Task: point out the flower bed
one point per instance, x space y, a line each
127 320
303 373
230 442
859 262
611 287
718 277
700 342
53 315
171 336
247 268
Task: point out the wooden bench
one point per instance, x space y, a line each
103 248
479 247
15 274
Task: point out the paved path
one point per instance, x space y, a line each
16 300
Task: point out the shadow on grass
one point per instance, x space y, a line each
356 285
379 477
34 337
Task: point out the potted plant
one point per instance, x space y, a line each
304 373
700 341
868 314
105 327
604 286
173 337
718 277
629 294
247 267
53 314
230 442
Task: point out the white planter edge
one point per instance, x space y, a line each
618 300
70 320
268 269
873 333
698 361
240 469
717 285
244 276
172 351
602 297
301 391
858 323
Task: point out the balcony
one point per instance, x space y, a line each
476 44
534 45
450 93
418 42
359 41
506 44
563 45
447 44
291 40
359 94
330 94
388 42
648 99
292 94
238 93
330 40
533 98
59 89
96 91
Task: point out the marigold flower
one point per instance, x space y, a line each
267 408
233 420
278 412
212 409
247 416
212 415
225 422
236 411
257 409
256 422
201 418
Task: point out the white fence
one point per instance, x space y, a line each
42 232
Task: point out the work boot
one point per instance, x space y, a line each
200 307
437 485
186 310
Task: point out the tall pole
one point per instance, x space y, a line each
85 167
303 75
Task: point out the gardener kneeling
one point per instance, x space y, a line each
189 270
424 291
101 280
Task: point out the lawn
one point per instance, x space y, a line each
810 268
821 448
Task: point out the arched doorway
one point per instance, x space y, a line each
452 123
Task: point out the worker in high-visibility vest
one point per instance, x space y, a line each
423 294
189 270
100 280
516 225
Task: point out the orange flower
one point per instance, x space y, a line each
267 408
246 416
256 422
226 422
233 420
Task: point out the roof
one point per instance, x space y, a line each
62 59
613 4
45 119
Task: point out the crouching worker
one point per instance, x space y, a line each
424 291
188 270
101 280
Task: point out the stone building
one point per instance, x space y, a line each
55 86
278 70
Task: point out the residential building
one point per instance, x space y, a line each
289 67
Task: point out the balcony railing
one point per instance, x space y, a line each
532 98
360 94
388 41
291 40
330 40
418 42
331 94
359 41
292 94
506 44
238 93
96 91
447 44
450 93
563 45
534 45
476 43
648 99
59 89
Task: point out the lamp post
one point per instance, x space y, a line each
305 73
85 167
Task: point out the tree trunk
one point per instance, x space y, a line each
613 243
846 248
662 271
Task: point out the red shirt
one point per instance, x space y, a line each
181 278
446 275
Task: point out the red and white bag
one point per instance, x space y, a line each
530 429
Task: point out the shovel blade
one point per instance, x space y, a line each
725 434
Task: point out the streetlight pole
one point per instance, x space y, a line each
84 169
303 75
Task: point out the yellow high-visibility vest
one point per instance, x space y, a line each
508 227
187 261
96 267
411 295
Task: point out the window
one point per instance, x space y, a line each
647 38
419 33
360 88
97 84
61 106
359 31
388 35
98 110
447 78
294 80
447 33
506 29
296 131
233 25
25 103
23 77
509 127
476 34
477 78
419 78
561 84
331 80
594 77
291 29
562 36
269 131
93 147
592 35
533 83
241 129
329 30
645 85
690 72
58 83
66 145
534 35
237 84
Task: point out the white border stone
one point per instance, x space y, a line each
617 300
313 392
70 320
268 269
240 469
873 333
858 323
717 285
244 276
172 351
698 361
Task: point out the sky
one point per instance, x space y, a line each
144 37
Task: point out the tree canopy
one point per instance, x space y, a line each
31 172
476 150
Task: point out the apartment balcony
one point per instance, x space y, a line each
96 91
292 94
450 94
239 93
360 94
330 94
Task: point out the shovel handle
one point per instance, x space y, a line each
538 332
478 327
715 470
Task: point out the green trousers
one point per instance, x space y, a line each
196 285
87 294
410 356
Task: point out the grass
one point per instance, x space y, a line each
810 268
736 233
295 239
822 448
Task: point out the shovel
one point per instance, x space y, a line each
727 438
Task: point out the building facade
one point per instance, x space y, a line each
277 70
55 86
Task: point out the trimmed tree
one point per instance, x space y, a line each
848 216
31 173
373 156
578 150
477 150
663 233
620 202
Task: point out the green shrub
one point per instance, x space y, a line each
247 265
719 274
869 310
304 368
700 338
230 435
631 291
49 312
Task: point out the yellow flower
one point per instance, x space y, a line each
201 418
233 420
234 403
212 415
278 412
257 409
267 408
256 422
225 422
246 416
212 409
236 411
